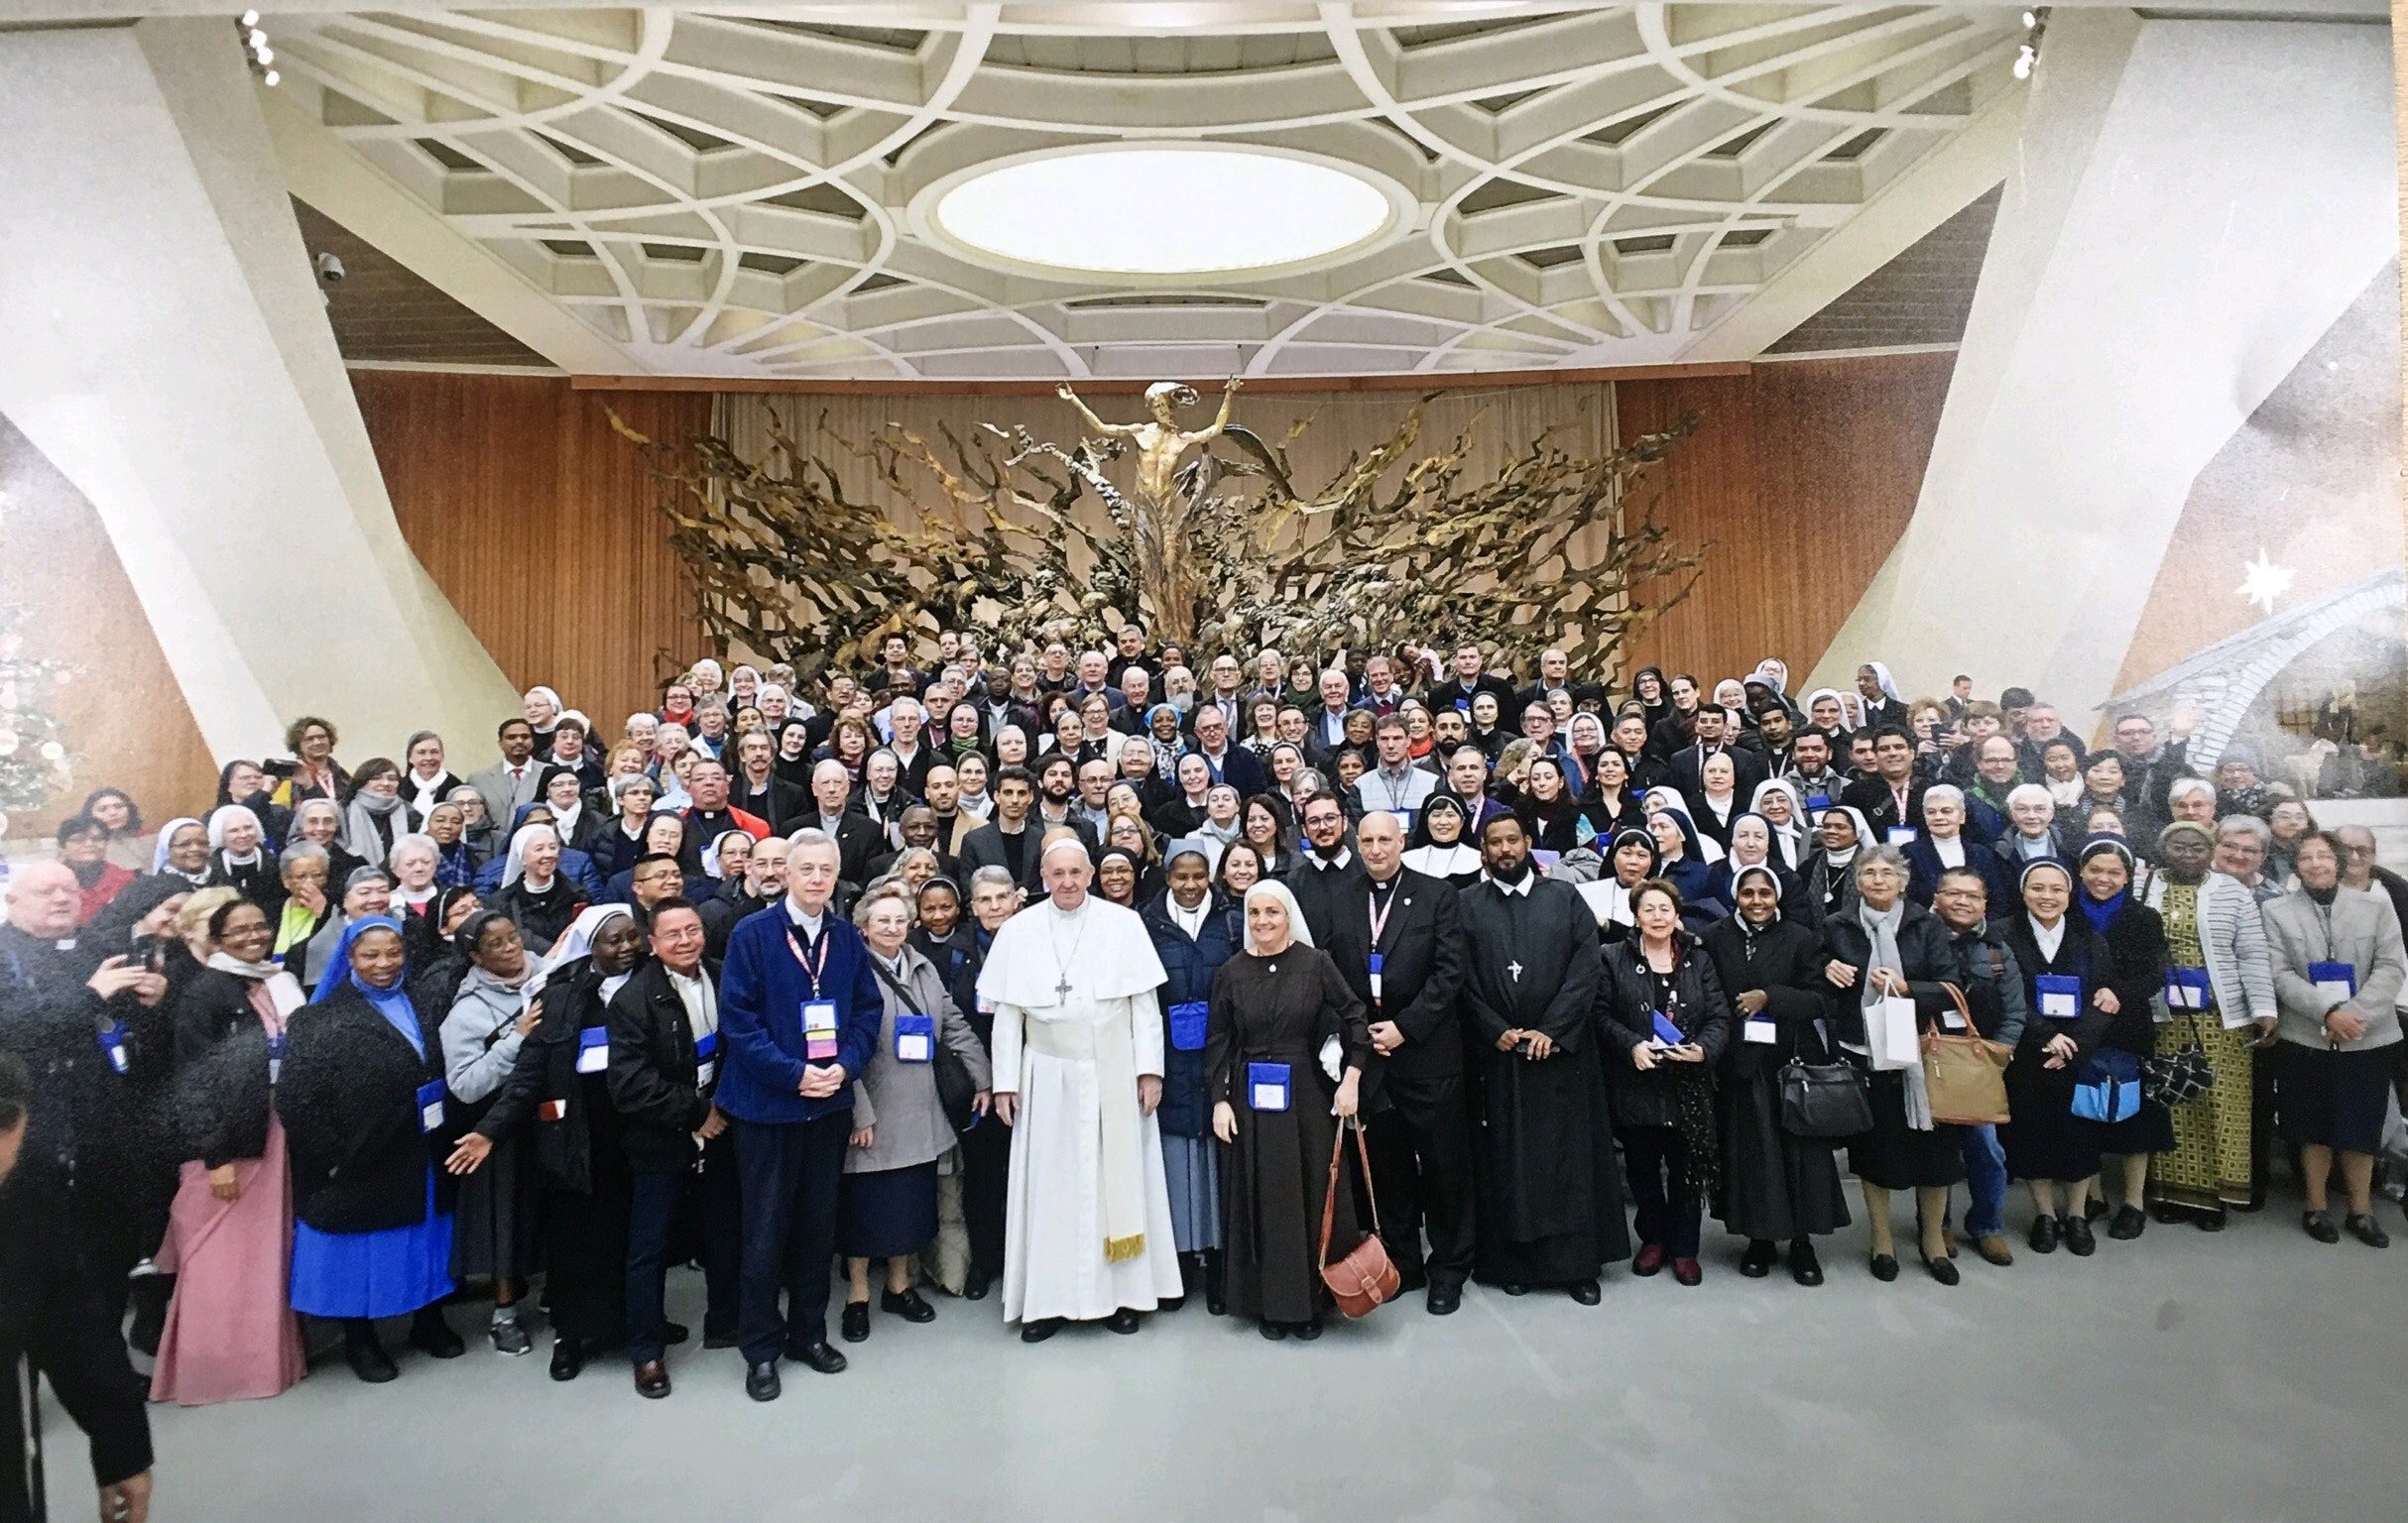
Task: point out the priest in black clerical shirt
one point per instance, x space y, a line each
1396 937
1550 1200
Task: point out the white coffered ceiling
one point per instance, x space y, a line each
749 193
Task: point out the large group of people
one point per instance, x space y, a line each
1062 977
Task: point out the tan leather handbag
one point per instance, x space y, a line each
1966 1074
1367 1276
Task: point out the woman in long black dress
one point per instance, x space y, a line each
1276 1007
1883 946
2069 980
2135 937
1776 1188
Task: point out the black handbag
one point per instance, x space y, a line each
956 1090
1826 1099
2179 1077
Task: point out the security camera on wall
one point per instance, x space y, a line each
330 270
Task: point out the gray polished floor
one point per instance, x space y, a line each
2253 1376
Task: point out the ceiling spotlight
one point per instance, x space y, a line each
2031 21
2025 57
271 78
256 38
250 18
267 56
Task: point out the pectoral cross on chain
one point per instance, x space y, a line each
1515 970
1063 989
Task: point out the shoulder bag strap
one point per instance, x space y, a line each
1329 1194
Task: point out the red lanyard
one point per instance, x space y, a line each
810 970
1380 914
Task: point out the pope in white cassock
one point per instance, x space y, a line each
1078 1072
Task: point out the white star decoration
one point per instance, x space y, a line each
2262 581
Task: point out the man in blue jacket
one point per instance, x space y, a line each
798 1015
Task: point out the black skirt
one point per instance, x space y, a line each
2336 1100
1895 1157
1774 1186
2046 1142
887 1212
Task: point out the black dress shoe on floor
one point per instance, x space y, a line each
1514 1290
1126 1320
1587 1292
761 1381
1039 1331
714 1341
2366 1229
2094 1208
673 1333
368 1358
2044 1234
1306 1332
2130 1222
2166 1212
974 1285
2079 1238
1884 1268
1445 1300
2210 1221
855 1322
910 1305
652 1380
568 1358
2320 1226
1942 1269
431 1336
1758 1261
1804 1267
1274 1332
819 1354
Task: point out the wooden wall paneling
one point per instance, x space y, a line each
121 711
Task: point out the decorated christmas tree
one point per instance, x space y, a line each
34 759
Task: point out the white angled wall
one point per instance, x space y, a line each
2194 203
166 346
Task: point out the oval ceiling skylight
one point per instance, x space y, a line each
1163 212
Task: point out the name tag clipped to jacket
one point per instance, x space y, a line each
819 1029
1818 802
1378 963
1899 835
1266 1086
2186 988
430 1108
2337 982
915 1038
2060 995
1761 1030
112 1046
1188 1019
593 1049
706 1060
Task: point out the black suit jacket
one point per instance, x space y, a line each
1241 770
784 805
1421 968
1688 762
1880 806
859 839
654 1068
1443 696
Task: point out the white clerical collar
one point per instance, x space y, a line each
1527 879
1333 864
809 924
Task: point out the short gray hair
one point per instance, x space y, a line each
2245 825
810 836
995 877
2184 787
1881 853
884 888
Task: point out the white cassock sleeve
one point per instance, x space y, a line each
1146 1033
1006 1048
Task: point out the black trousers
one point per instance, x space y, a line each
656 1201
789 1175
1657 1162
1421 1155
986 1191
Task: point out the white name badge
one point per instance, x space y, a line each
818 1029
706 1064
1949 1021
2187 988
593 1049
1761 1031
1899 835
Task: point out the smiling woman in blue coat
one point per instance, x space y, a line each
1194 932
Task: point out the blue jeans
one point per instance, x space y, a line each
1984 1181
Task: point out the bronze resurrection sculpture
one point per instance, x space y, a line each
1210 547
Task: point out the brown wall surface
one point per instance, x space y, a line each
536 520
1803 476
121 713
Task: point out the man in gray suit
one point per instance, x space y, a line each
514 780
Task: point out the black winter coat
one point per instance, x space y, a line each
348 1098
222 1094
1786 961
1626 1015
1922 947
653 1071
546 1070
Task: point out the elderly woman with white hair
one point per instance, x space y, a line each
2032 833
1284 1048
239 857
1885 947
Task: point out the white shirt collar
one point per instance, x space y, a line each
1331 863
1523 887
809 925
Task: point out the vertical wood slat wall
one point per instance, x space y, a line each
537 521
1804 475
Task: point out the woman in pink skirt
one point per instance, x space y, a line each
231 1334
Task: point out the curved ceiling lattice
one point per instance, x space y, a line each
728 194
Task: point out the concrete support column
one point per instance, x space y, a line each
2193 204
167 350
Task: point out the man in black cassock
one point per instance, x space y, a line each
1550 1203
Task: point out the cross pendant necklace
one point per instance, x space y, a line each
1061 964
1515 968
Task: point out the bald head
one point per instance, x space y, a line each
1380 840
44 900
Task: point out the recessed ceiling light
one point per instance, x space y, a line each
1163 212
